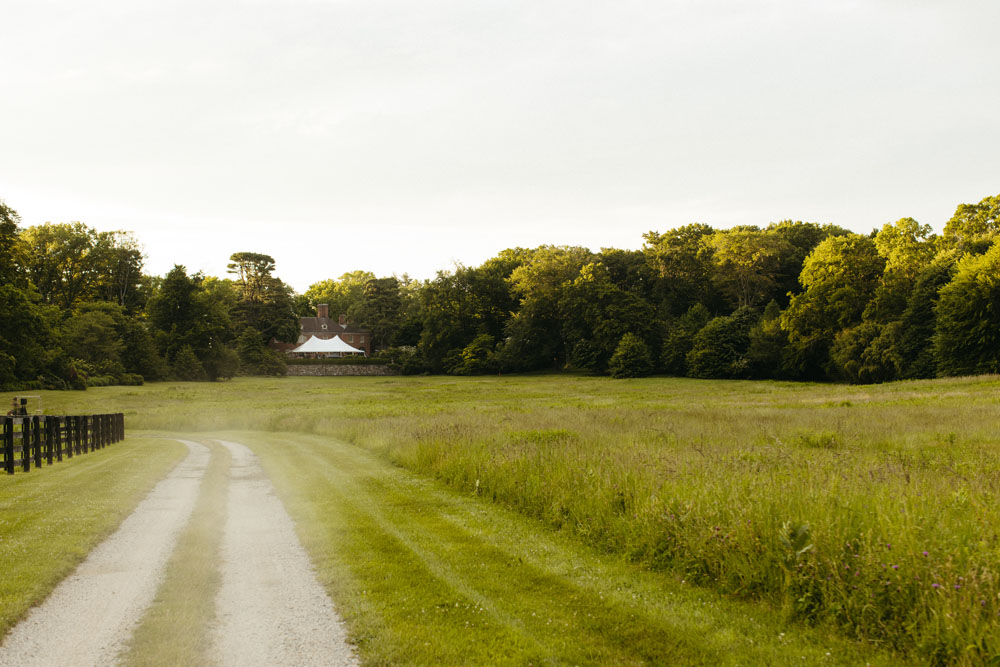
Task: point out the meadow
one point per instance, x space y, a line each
867 509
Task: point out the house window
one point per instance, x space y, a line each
350 339
362 340
323 326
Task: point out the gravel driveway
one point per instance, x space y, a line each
270 609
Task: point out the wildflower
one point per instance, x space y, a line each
926 554
957 587
935 585
895 567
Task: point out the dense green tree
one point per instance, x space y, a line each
631 358
592 308
478 357
802 238
71 263
682 262
866 354
254 273
919 320
630 271
345 295
27 349
10 261
118 258
746 265
534 332
907 247
191 312
458 306
973 227
92 335
59 259
679 339
840 277
967 337
255 357
768 344
721 349
187 366
383 306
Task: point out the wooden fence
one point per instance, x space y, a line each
27 440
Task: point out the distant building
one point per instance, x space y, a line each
324 328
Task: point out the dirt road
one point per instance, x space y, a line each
270 608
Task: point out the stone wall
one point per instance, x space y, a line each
339 369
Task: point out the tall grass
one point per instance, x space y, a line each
870 508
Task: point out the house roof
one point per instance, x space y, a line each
334 344
332 325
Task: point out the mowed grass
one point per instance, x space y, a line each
872 509
426 576
50 518
176 629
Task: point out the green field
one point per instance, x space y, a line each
868 510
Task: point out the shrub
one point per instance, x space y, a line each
631 358
721 348
186 365
478 357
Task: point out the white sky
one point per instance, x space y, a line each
403 136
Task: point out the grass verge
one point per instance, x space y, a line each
423 575
869 507
176 628
50 518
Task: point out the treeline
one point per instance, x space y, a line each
77 310
792 300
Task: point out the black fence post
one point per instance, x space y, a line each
8 445
50 440
67 435
25 444
36 440
85 427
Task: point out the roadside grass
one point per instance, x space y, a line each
176 629
426 576
871 508
50 518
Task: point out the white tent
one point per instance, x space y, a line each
329 346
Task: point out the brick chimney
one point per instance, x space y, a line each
323 310
343 320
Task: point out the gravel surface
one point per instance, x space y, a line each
270 609
90 615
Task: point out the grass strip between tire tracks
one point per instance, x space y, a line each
176 629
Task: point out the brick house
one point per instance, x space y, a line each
324 328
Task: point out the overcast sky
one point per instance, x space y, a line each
405 136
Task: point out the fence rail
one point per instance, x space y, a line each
31 440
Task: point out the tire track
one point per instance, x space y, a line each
271 610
